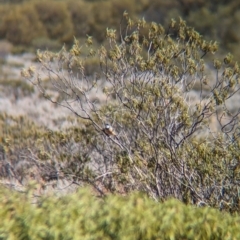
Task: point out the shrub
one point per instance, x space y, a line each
100 19
32 153
81 16
160 11
112 15
46 43
56 19
21 25
169 143
83 216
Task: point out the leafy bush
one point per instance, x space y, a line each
79 17
29 152
83 216
56 19
20 25
171 140
46 43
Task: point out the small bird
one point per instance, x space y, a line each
108 130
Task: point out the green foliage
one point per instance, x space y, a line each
83 216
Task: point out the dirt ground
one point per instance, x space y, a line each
32 105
